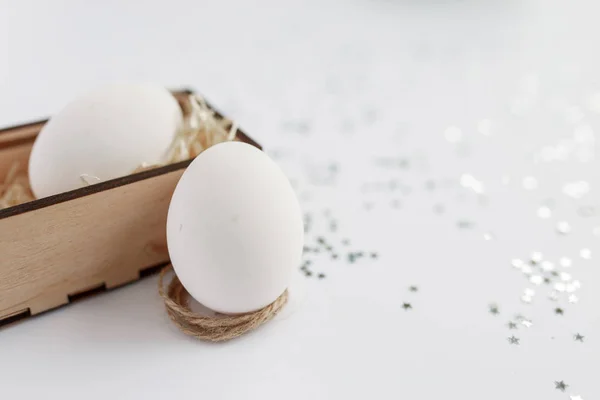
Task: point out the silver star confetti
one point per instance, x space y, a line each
578 337
563 227
536 257
585 253
573 299
544 212
561 385
527 323
565 262
513 340
512 325
547 266
494 310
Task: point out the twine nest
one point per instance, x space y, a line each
216 328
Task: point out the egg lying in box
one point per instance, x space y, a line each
104 134
234 229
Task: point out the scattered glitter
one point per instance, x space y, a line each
527 270
585 253
536 279
406 306
517 263
484 127
577 284
374 255
453 134
578 337
553 295
413 288
465 224
526 299
547 266
544 212
345 242
575 397
513 340
529 292
512 325
536 257
565 262
570 288
321 276
530 183
573 299
547 280
559 286
559 311
561 385
488 236
563 227
494 310
468 181
576 189
565 276
526 323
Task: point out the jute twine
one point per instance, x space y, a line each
212 328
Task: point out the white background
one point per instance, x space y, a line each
348 82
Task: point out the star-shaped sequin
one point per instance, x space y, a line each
559 311
512 325
406 306
573 299
494 310
526 323
514 340
413 288
578 337
560 385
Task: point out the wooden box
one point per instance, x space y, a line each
58 249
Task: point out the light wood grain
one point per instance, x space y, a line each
103 238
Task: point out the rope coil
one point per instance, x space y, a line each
212 328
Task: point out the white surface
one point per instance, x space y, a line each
234 229
347 81
103 134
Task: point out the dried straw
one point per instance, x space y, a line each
202 128
212 328
15 189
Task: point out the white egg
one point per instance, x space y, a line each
234 229
104 134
